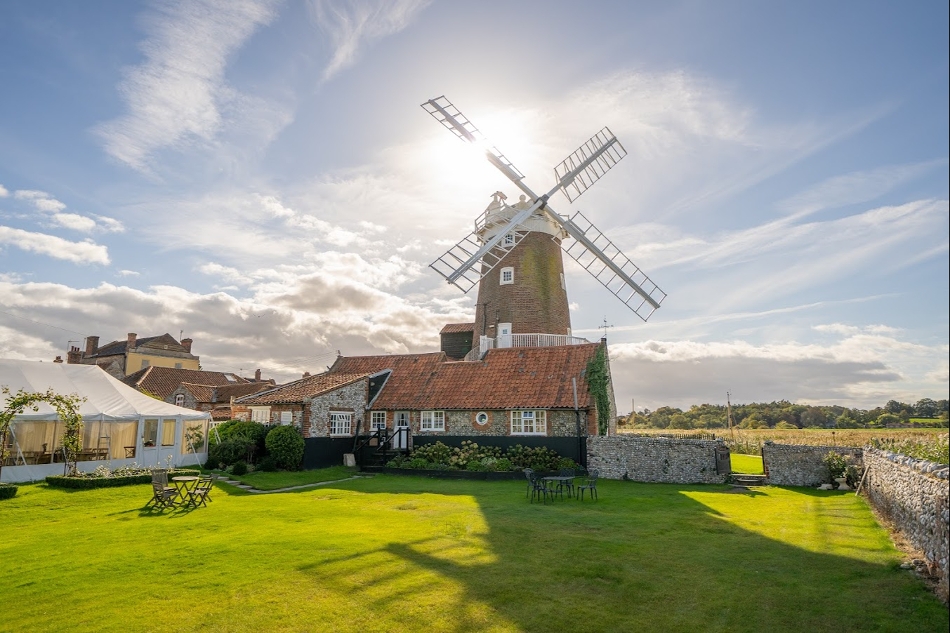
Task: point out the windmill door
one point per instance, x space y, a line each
401 428
504 335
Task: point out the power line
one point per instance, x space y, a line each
17 316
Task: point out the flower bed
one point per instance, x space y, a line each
470 457
457 474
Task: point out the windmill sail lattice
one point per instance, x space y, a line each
471 259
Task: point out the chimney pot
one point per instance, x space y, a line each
58 359
186 343
130 343
257 376
92 345
74 356
306 374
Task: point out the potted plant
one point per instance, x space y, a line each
836 464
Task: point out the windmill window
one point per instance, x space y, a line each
507 276
509 239
529 422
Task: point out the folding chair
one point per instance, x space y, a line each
162 497
201 492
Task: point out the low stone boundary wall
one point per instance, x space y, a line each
797 465
912 494
655 459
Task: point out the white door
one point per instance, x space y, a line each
504 335
401 428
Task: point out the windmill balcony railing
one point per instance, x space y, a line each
523 340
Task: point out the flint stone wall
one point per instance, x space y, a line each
797 465
912 494
655 459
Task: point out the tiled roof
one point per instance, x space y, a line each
456 328
119 347
519 377
201 393
294 392
162 381
224 393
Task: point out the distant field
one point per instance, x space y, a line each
926 443
747 464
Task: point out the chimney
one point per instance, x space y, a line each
58 359
306 374
92 345
257 376
186 343
130 344
74 356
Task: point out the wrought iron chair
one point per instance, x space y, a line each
529 473
539 487
569 484
590 485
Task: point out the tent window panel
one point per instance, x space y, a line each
90 434
194 435
33 436
150 438
168 433
123 438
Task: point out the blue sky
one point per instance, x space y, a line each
260 176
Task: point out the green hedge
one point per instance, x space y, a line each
88 483
7 491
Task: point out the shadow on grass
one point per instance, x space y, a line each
642 557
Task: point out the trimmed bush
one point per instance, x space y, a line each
89 483
231 450
239 468
285 444
7 491
267 464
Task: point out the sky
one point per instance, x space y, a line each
259 176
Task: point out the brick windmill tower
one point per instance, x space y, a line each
514 252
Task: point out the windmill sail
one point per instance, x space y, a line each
466 263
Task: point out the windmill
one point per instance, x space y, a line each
530 236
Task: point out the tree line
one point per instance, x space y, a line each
785 415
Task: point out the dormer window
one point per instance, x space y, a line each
507 276
179 400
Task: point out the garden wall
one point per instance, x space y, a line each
797 465
655 459
912 495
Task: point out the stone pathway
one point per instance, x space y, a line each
249 488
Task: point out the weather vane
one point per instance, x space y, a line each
605 326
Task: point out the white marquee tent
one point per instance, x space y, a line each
120 425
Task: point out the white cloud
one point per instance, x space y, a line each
175 96
40 199
74 221
128 273
3 192
86 252
110 225
353 24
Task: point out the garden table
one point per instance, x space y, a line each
181 484
559 480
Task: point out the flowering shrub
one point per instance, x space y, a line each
474 457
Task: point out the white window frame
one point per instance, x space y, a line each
180 400
507 276
529 422
377 420
482 422
286 418
509 239
337 421
432 421
260 414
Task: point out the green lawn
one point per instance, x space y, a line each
284 479
747 464
394 553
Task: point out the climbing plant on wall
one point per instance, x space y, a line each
598 379
67 408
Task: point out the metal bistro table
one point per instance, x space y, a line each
559 480
181 484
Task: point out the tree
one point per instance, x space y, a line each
926 408
67 408
886 419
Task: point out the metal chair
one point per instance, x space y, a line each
590 485
539 488
567 472
529 473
